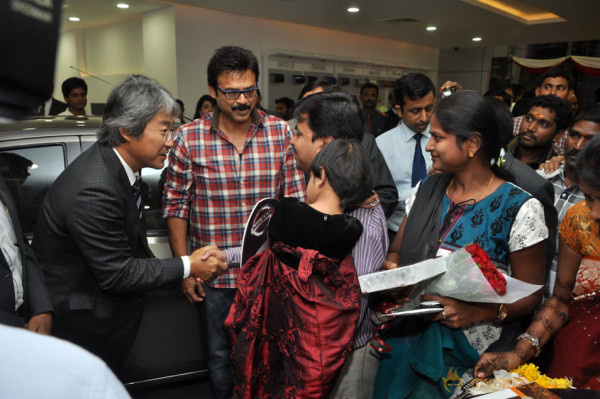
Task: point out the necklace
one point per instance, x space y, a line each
484 194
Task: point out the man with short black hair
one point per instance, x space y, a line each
403 147
556 82
90 236
285 108
547 119
374 120
322 118
585 126
75 93
220 167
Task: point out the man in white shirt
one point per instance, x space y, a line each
403 147
75 92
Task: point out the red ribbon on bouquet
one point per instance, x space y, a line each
487 267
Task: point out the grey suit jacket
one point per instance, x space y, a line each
35 294
93 249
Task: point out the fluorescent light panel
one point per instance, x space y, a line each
517 10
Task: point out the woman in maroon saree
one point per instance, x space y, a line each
292 321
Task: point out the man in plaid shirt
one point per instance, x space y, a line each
219 167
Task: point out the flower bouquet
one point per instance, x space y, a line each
471 276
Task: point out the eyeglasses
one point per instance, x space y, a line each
168 134
235 94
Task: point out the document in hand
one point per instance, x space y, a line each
402 276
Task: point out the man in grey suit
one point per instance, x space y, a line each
90 237
24 299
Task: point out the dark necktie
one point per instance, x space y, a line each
137 195
419 171
42 110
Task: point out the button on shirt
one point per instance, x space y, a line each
398 148
215 187
10 250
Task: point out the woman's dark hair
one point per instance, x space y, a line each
588 163
204 98
348 169
466 114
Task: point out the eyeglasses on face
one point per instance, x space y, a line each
168 134
235 94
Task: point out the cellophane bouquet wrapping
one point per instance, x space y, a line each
472 277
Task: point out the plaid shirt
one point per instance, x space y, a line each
558 146
214 187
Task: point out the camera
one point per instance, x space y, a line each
448 91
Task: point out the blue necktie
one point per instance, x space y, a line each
137 195
419 171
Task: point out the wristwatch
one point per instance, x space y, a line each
502 312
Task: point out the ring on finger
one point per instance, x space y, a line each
443 315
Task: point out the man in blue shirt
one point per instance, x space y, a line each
403 147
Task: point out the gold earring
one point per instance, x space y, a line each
471 154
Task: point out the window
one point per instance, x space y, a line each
29 173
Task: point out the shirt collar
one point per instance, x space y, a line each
410 133
131 175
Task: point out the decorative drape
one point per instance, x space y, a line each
588 65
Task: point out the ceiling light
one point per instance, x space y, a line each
431 28
476 39
519 10
74 19
353 9
123 5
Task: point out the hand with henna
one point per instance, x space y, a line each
490 362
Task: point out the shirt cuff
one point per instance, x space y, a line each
233 256
186 266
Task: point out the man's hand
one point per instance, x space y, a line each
371 202
208 263
41 323
552 164
450 84
192 289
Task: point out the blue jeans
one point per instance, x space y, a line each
213 312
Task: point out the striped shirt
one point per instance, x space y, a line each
559 144
214 187
369 254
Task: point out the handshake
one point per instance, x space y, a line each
206 264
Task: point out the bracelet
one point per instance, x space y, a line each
534 341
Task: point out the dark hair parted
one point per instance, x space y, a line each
504 119
131 105
588 163
466 114
201 101
369 85
591 114
73 83
313 84
230 59
558 73
288 102
561 108
413 86
334 114
348 169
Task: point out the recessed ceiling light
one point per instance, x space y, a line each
431 28
353 9
123 5
74 19
476 39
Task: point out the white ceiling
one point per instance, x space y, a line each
456 20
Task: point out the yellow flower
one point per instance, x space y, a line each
532 374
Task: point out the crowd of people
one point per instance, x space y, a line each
358 191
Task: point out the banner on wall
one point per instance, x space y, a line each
588 65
